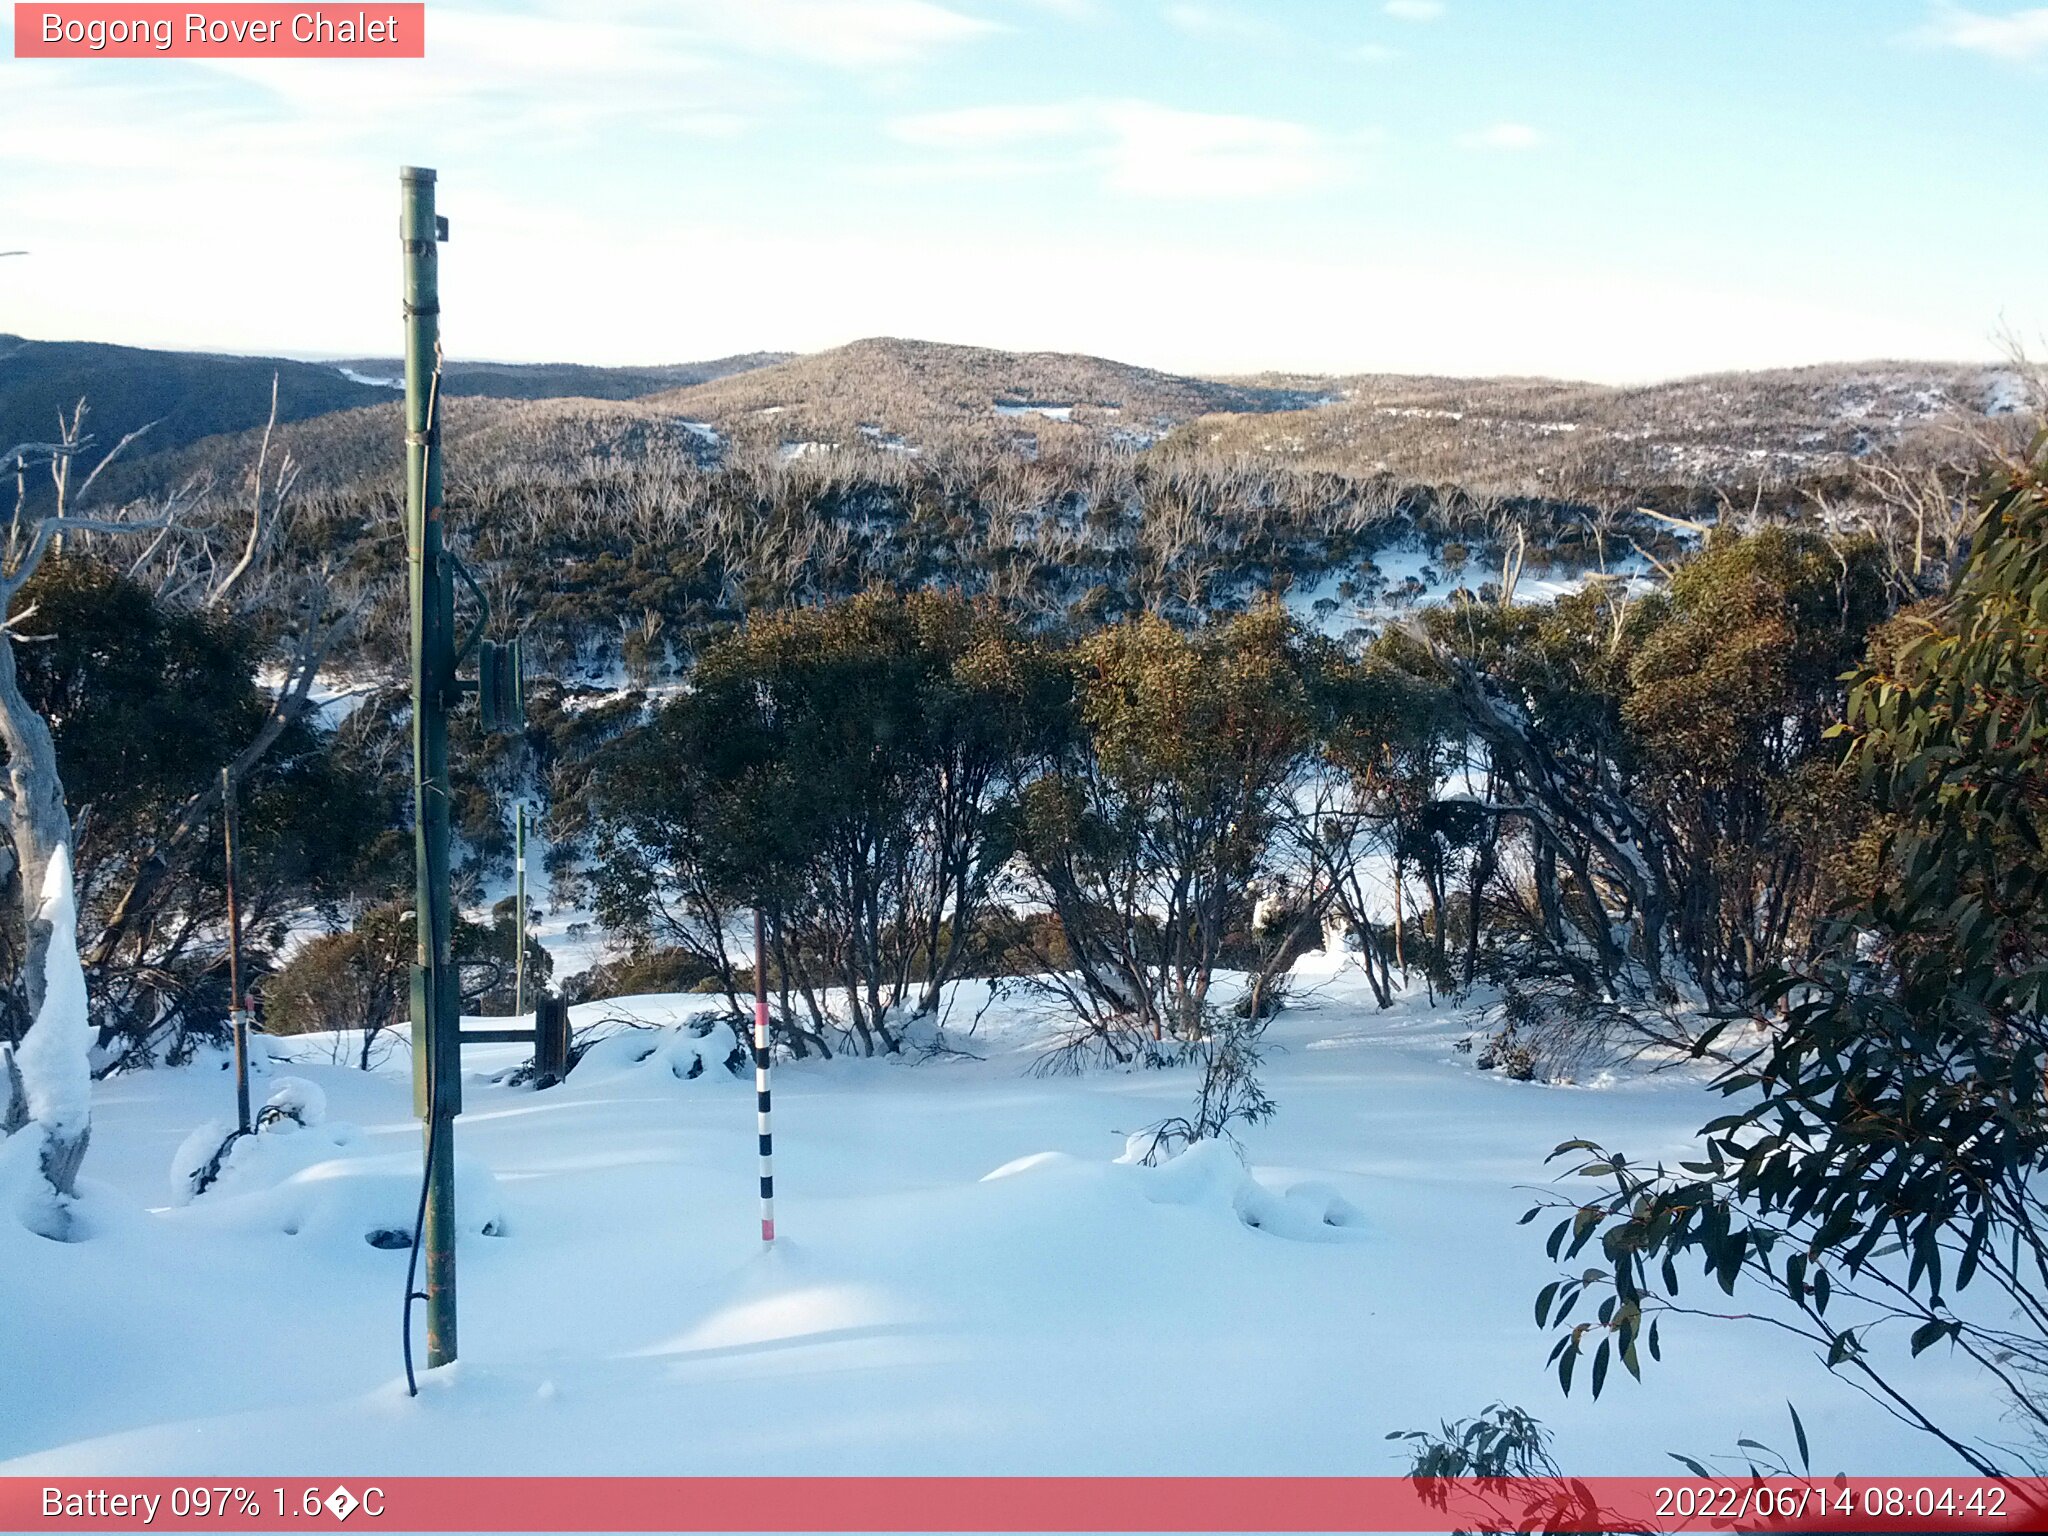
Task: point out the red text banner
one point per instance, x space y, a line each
1012 1504
231 31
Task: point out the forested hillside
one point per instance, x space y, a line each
1127 704
179 396
1589 639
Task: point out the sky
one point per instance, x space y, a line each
1608 189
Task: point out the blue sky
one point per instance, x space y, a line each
1616 189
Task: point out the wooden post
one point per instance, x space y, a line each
238 1012
550 1041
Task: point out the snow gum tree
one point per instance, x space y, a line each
848 770
1663 759
1161 807
1882 1165
1391 740
145 700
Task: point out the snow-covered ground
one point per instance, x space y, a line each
967 1280
1052 412
1411 576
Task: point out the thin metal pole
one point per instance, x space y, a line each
238 1012
519 911
436 1007
761 1077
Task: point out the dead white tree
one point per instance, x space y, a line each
49 1073
266 506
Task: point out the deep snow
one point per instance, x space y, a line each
969 1280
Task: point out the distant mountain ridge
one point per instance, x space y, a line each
548 381
188 395
1783 424
1513 436
900 385
191 396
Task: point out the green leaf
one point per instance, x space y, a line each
1931 1333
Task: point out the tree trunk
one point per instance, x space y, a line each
45 1085
39 822
1484 863
1400 922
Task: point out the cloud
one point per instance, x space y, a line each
680 69
985 127
1219 22
1375 53
1414 10
1138 148
848 34
2021 36
659 76
1504 136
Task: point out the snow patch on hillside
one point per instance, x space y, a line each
369 378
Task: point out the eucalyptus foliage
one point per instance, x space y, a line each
1880 1168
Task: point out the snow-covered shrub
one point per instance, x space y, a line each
1505 1051
292 1186
216 1148
1213 1174
1551 1029
656 969
1230 1093
685 1053
293 1102
197 1162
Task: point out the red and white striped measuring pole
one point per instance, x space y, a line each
761 1078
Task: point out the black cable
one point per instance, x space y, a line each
419 1237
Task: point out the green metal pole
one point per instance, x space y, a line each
238 1009
519 912
436 1016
